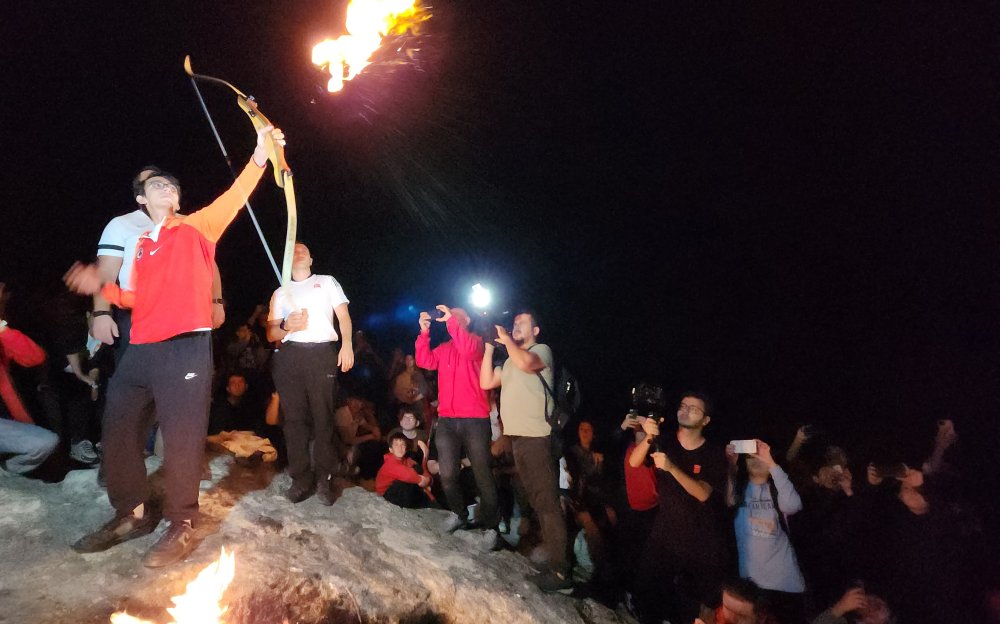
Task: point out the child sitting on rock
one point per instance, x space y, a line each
398 480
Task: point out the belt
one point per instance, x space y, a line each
190 334
306 345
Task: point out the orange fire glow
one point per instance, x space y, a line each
201 602
368 22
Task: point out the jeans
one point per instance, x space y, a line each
451 435
25 446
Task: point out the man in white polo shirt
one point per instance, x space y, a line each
305 374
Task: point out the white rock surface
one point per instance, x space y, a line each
362 560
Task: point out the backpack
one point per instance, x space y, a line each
565 398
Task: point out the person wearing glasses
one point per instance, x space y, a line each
169 361
684 560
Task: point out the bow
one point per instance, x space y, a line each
282 172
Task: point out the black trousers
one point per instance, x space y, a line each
407 495
305 375
176 377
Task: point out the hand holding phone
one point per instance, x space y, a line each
744 447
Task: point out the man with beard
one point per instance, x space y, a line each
685 553
522 409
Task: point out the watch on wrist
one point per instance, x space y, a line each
219 301
281 325
97 313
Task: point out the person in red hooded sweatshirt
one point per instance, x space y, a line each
23 445
463 416
398 480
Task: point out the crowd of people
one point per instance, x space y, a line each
659 519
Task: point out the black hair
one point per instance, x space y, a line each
407 409
703 397
398 436
139 181
536 319
747 590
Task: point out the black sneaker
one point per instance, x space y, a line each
550 582
176 544
494 541
298 493
121 528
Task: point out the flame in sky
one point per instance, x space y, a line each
368 22
201 602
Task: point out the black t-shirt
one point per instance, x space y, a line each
686 528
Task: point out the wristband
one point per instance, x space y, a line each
281 325
219 301
97 313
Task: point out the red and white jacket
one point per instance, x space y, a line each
171 283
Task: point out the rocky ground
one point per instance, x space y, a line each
361 560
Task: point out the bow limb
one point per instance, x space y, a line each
282 172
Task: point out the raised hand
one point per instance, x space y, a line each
764 454
651 427
424 321
445 313
83 279
503 337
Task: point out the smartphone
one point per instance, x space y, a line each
744 447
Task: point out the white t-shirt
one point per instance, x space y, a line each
119 240
319 294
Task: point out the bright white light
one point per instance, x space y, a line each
480 296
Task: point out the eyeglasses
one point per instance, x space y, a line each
159 185
684 407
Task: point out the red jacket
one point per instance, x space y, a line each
18 348
457 363
395 469
171 289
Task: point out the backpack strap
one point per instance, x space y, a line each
548 390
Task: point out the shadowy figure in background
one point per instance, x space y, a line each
236 408
360 433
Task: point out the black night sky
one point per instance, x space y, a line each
792 206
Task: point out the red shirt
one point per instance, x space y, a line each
640 484
457 363
171 289
395 469
18 348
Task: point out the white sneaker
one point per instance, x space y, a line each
84 452
452 523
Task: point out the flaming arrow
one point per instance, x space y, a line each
282 172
